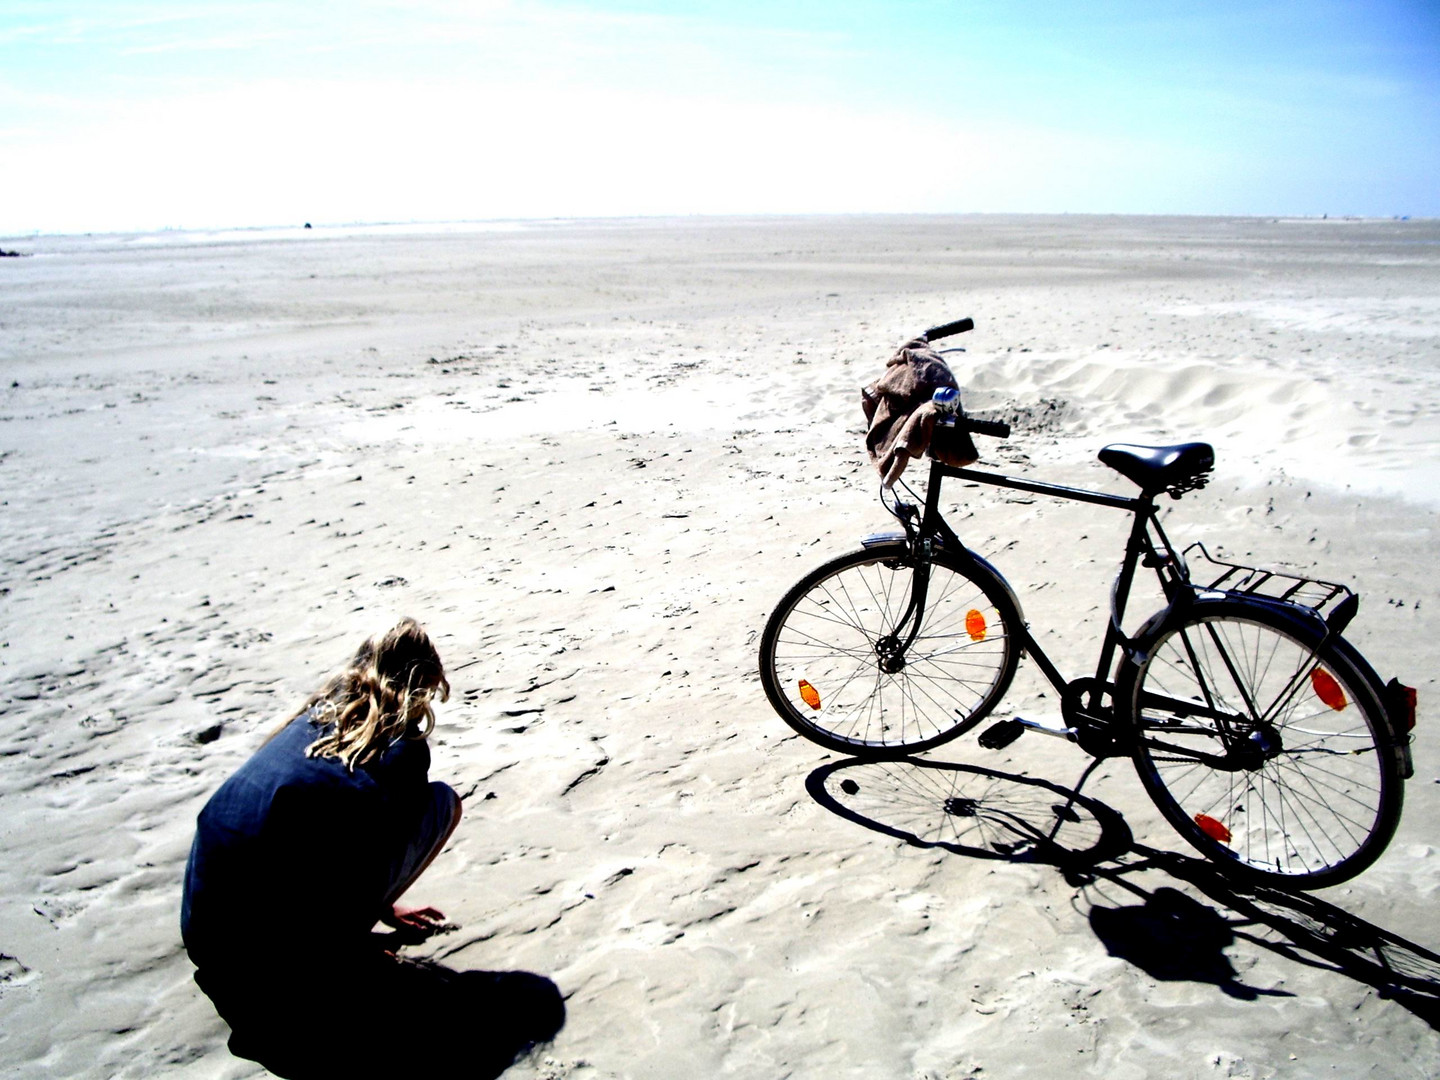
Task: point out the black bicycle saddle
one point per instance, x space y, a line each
1176 469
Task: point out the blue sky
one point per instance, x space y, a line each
128 115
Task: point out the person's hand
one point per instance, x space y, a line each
414 925
414 916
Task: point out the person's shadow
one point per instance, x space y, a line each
384 1017
1168 933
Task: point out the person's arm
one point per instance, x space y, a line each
403 768
402 786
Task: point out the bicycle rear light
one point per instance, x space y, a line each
1402 703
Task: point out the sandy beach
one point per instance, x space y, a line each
590 457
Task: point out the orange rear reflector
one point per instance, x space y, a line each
975 625
1216 830
1411 700
1327 689
809 695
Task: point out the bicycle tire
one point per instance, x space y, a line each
828 633
1265 743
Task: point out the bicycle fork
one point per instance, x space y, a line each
892 647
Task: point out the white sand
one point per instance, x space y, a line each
590 457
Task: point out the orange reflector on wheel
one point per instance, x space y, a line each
809 695
1327 689
1215 830
975 625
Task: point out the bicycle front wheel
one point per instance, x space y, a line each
1265 745
877 652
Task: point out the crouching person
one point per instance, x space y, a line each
311 843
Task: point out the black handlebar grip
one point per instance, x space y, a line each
997 428
949 329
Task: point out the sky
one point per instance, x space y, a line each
130 116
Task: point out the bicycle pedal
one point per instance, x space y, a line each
998 736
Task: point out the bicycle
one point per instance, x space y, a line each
1261 734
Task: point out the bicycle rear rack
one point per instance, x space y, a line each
1333 603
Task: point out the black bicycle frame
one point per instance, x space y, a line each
1139 547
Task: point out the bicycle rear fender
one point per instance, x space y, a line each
1306 621
1396 707
1302 623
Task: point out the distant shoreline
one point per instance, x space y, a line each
303 230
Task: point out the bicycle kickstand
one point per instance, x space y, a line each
1064 813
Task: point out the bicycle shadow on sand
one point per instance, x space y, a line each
1168 933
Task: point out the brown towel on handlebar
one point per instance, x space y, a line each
902 416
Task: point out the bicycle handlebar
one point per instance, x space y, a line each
998 429
949 329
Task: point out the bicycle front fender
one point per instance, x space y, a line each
989 568
880 540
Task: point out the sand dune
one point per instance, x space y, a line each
590 457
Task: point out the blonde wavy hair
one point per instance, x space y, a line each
381 695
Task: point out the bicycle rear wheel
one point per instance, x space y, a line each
844 663
1265 744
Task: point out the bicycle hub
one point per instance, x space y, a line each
892 656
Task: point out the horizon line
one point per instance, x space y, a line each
162 230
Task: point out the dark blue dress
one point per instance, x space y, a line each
293 861
299 850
